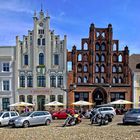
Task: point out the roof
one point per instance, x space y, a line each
134 59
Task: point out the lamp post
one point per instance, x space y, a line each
67 90
109 86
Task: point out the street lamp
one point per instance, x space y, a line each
109 86
67 90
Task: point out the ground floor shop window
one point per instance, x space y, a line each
5 104
60 98
29 99
81 96
22 98
52 98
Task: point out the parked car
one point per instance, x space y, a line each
105 110
5 116
31 118
132 116
62 114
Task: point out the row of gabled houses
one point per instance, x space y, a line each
40 69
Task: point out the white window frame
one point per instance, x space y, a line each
3 66
3 85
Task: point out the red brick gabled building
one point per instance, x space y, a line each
100 70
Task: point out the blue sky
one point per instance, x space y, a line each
73 18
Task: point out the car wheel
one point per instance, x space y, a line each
47 122
25 124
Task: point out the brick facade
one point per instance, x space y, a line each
100 70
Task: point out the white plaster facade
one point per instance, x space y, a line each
40 64
7 88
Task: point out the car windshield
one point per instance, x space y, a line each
135 111
25 114
1 113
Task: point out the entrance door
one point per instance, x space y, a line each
41 102
99 96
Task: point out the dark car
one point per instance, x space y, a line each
132 116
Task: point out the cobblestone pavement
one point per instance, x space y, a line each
83 131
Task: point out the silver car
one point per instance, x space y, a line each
5 116
132 116
31 118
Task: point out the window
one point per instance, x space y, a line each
97 68
69 66
97 47
5 104
52 98
56 59
13 114
22 81
41 81
96 80
120 69
120 80
97 57
103 58
85 79
6 115
29 81
115 59
6 85
120 58
85 68
102 80
114 47
114 80
53 81
85 46
25 59
41 59
102 68
114 69
43 41
6 67
60 98
39 41
29 99
60 81
79 68
103 46
79 57
85 57
79 80
22 98
84 96
40 31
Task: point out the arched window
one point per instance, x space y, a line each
30 99
97 57
114 47
85 46
97 34
39 41
114 80
43 41
21 98
79 80
102 68
102 80
79 57
115 58
85 79
103 35
96 80
120 58
85 68
103 46
85 57
60 98
103 58
97 68
114 69
41 59
120 80
120 68
79 68
97 47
